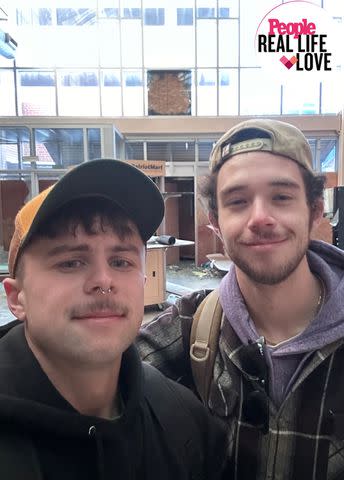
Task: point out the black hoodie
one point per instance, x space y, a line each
69 445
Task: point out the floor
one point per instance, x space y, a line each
180 279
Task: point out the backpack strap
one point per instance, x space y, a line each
18 457
204 339
175 419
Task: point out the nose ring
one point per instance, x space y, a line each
103 292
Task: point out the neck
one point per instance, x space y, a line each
284 310
91 391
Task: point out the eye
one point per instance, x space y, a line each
235 202
282 197
68 265
120 263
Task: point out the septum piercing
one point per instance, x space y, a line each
103 292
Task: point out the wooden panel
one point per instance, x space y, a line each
13 194
155 271
152 168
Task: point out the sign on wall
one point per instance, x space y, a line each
152 168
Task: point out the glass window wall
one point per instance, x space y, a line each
143 35
7 93
78 93
60 147
36 92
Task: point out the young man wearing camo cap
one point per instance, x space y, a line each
277 375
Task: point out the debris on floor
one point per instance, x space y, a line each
206 270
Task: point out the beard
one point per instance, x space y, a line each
268 274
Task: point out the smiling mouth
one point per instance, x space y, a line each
264 243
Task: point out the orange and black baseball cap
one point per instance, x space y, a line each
123 184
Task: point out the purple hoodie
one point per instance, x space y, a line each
286 359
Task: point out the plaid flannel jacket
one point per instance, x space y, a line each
305 439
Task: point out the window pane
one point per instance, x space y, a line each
259 94
134 151
301 98
109 46
228 8
62 147
131 35
206 92
93 143
60 46
183 151
109 13
251 13
75 17
111 79
228 92
34 16
133 79
167 53
228 43
131 13
184 16
111 93
24 16
206 43
159 151
14 143
224 12
313 145
206 12
37 79
204 149
133 93
328 155
332 95
78 93
83 79
44 16
36 93
7 99
154 16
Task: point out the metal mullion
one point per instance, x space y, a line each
196 62
217 60
239 58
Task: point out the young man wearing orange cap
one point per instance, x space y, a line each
277 373
75 400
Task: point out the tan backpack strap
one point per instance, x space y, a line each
204 341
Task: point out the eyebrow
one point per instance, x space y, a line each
82 248
276 182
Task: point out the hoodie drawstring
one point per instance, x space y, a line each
92 432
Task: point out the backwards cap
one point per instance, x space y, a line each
123 184
273 136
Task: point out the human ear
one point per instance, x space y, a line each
13 293
317 213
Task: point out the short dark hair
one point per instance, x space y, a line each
314 186
84 212
93 214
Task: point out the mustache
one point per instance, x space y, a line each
257 236
117 308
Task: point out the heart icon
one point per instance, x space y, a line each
288 63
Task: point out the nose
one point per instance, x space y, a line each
100 279
261 215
